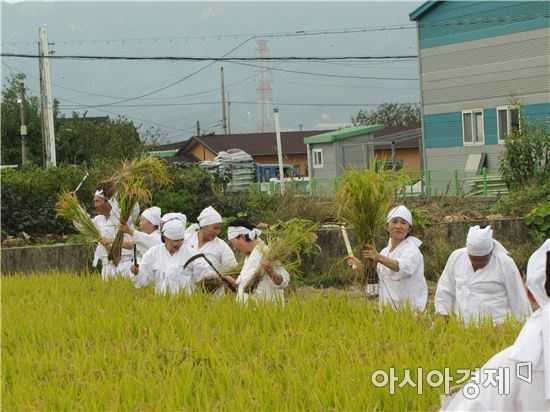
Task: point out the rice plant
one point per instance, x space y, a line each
70 208
81 344
288 242
363 198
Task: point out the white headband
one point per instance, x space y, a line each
479 242
234 232
209 216
174 229
400 212
152 215
99 193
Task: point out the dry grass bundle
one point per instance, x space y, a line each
363 199
70 208
151 170
287 243
130 193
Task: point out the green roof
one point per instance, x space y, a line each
164 153
342 134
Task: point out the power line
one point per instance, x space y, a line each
211 59
200 93
303 33
173 83
244 102
325 74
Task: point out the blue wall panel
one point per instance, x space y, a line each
445 129
502 17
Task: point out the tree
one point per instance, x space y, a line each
11 123
86 139
390 115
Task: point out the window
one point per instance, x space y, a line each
317 158
472 127
507 121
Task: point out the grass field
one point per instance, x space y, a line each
77 343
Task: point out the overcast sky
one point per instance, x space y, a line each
212 29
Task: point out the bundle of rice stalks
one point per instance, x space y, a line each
288 242
130 193
70 208
363 199
151 170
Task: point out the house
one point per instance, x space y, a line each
479 60
167 151
261 146
355 147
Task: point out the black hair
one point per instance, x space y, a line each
547 283
243 223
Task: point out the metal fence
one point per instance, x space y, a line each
428 183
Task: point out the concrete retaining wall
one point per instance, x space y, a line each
73 258
77 258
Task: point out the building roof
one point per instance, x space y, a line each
404 138
255 144
423 9
342 134
167 146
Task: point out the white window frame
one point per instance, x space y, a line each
314 160
508 120
472 112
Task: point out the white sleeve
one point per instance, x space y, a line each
517 295
280 270
409 262
145 274
145 240
228 257
201 270
445 293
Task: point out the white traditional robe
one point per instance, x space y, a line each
144 242
523 396
108 228
267 290
496 290
166 271
217 251
408 286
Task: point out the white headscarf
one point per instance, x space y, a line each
173 230
533 343
152 215
174 216
209 216
99 193
401 212
479 242
234 232
536 274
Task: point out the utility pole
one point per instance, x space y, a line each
21 101
224 115
198 128
228 114
279 148
46 98
42 109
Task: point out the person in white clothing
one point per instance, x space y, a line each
107 222
264 281
527 360
205 240
400 265
481 280
145 238
171 216
166 266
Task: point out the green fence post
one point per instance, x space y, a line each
457 185
484 172
428 183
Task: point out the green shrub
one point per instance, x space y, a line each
539 220
520 201
29 196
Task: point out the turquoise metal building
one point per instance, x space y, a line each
477 62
